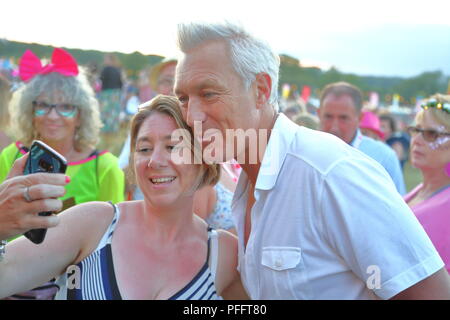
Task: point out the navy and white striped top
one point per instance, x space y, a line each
97 280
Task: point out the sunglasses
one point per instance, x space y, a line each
429 135
63 109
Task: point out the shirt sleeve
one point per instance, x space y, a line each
370 227
111 179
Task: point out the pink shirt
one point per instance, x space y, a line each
434 215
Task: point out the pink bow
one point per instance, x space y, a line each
62 62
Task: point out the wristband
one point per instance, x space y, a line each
2 249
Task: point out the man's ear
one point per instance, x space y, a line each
263 88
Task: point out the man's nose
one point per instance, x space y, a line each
195 113
334 125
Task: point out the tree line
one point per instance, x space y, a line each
291 72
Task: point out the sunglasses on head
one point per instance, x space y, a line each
429 135
63 109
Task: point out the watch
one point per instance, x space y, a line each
2 249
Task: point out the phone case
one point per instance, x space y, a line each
43 158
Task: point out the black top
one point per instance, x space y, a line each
111 78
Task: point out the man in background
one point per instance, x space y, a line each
340 114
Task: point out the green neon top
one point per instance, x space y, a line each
96 178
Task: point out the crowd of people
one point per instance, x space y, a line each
265 203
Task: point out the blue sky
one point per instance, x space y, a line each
365 37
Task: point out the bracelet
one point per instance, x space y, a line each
2 249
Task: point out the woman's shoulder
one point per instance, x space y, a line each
108 158
87 211
9 149
104 158
12 152
89 221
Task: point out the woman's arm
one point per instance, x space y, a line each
228 280
26 265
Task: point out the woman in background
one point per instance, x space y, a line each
430 153
57 106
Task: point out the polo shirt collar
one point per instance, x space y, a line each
281 137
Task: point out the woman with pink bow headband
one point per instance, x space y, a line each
57 105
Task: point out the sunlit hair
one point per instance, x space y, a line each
307 120
5 96
438 115
168 105
74 90
343 88
249 56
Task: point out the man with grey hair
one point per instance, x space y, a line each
340 114
316 219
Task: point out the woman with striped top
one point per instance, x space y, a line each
155 248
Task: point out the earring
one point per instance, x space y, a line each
447 169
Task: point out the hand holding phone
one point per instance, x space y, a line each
43 158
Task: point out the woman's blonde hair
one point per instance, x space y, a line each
168 105
74 90
441 116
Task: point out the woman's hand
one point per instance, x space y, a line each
23 197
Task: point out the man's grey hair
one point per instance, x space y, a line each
249 55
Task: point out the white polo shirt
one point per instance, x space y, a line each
328 223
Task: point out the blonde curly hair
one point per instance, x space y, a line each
74 90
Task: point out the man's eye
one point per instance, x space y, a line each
209 94
144 149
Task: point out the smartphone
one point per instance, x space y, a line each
43 158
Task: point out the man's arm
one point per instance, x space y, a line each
435 287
